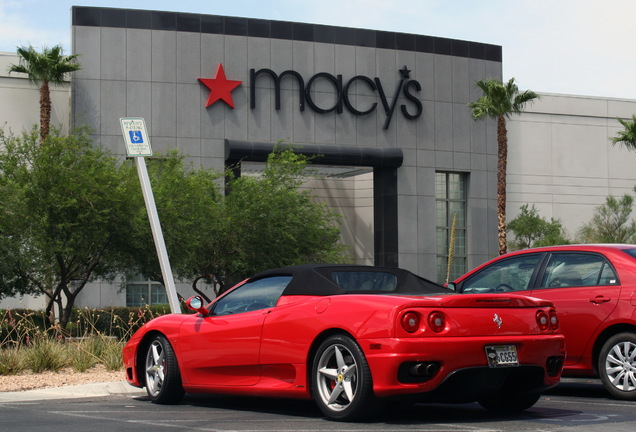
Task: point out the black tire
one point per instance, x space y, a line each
617 366
163 380
341 381
510 403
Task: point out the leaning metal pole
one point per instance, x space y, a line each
157 234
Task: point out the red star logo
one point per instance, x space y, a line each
220 87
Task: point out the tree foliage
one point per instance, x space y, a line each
532 230
276 223
48 67
190 208
262 222
626 137
611 222
71 213
499 101
64 216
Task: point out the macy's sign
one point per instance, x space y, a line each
411 108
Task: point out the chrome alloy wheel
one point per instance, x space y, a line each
337 377
620 366
155 368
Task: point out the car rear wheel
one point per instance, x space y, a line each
163 381
617 366
510 403
341 380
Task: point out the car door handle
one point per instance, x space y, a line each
600 299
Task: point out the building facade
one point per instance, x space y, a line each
221 89
401 157
561 159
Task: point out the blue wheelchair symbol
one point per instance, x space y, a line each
136 137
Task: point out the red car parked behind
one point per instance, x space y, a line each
593 288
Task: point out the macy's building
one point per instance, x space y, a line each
388 112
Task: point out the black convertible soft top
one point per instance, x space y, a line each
335 279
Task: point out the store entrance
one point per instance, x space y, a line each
370 171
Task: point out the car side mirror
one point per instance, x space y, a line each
196 304
451 285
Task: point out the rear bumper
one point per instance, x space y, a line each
463 364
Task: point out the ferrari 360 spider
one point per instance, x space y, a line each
351 338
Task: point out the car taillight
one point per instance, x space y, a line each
554 320
411 322
543 320
436 321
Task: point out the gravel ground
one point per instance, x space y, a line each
65 377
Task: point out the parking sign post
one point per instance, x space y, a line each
138 146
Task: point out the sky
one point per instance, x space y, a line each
573 47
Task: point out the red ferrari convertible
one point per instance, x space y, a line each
351 337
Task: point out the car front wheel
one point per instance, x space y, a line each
163 381
341 380
617 366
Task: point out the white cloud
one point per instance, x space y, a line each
21 24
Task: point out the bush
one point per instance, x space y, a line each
46 354
120 322
94 336
11 360
17 326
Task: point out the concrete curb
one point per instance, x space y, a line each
73 392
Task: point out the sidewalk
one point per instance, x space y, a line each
73 392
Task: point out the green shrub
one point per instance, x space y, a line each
11 361
81 354
93 336
46 354
111 355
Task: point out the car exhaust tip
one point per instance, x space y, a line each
554 365
413 372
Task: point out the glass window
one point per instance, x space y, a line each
158 294
450 196
365 281
251 296
512 274
608 276
136 295
577 269
630 252
141 291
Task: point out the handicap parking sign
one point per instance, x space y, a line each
135 136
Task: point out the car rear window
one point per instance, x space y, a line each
365 281
630 252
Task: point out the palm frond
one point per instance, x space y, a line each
626 137
500 99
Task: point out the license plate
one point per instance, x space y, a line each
502 356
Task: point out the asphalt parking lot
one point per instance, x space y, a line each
576 405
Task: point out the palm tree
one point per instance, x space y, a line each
626 137
499 101
48 67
